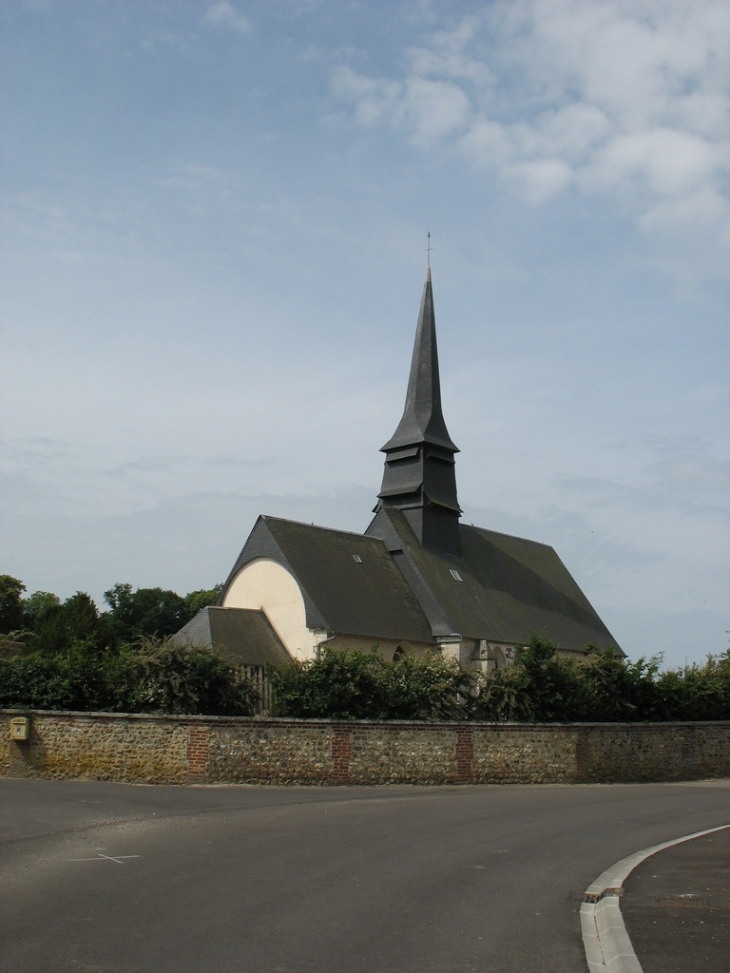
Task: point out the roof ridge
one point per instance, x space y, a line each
516 537
231 608
330 530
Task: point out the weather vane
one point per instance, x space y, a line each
429 248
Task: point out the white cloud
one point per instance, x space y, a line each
447 56
434 108
706 207
629 97
542 179
373 98
224 14
673 162
572 131
488 143
427 109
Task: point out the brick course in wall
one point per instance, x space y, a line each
177 750
197 754
341 754
464 754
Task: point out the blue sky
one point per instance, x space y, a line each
215 217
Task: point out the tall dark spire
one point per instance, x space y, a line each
423 420
419 475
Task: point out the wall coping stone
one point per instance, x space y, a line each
258 721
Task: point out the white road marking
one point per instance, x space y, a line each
109 858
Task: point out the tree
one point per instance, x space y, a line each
196 600
36 605
145 613
74 624
11 604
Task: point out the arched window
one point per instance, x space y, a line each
500 656
399 654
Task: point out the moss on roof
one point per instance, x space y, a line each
369 597
243 635
511 589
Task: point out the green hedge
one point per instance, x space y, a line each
166 677
357 686
540 687
162 677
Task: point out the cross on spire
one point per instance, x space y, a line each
429 248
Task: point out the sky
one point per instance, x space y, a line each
213 250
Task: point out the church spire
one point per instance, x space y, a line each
419 476
423 420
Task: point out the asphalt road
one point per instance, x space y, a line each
676 907
341 880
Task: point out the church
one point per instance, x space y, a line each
416 581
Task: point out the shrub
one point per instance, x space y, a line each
78 681
337 685
175 677
166 676
696 692
431 688
355 685
542 687
157 677
538 687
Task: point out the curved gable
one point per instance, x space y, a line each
265 585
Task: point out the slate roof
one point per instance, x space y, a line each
511 588
423 419
368 598
242 634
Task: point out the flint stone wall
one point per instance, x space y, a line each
205 749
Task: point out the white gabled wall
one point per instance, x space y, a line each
263 584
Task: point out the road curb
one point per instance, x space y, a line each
606 942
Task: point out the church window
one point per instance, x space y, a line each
455 575
399 654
